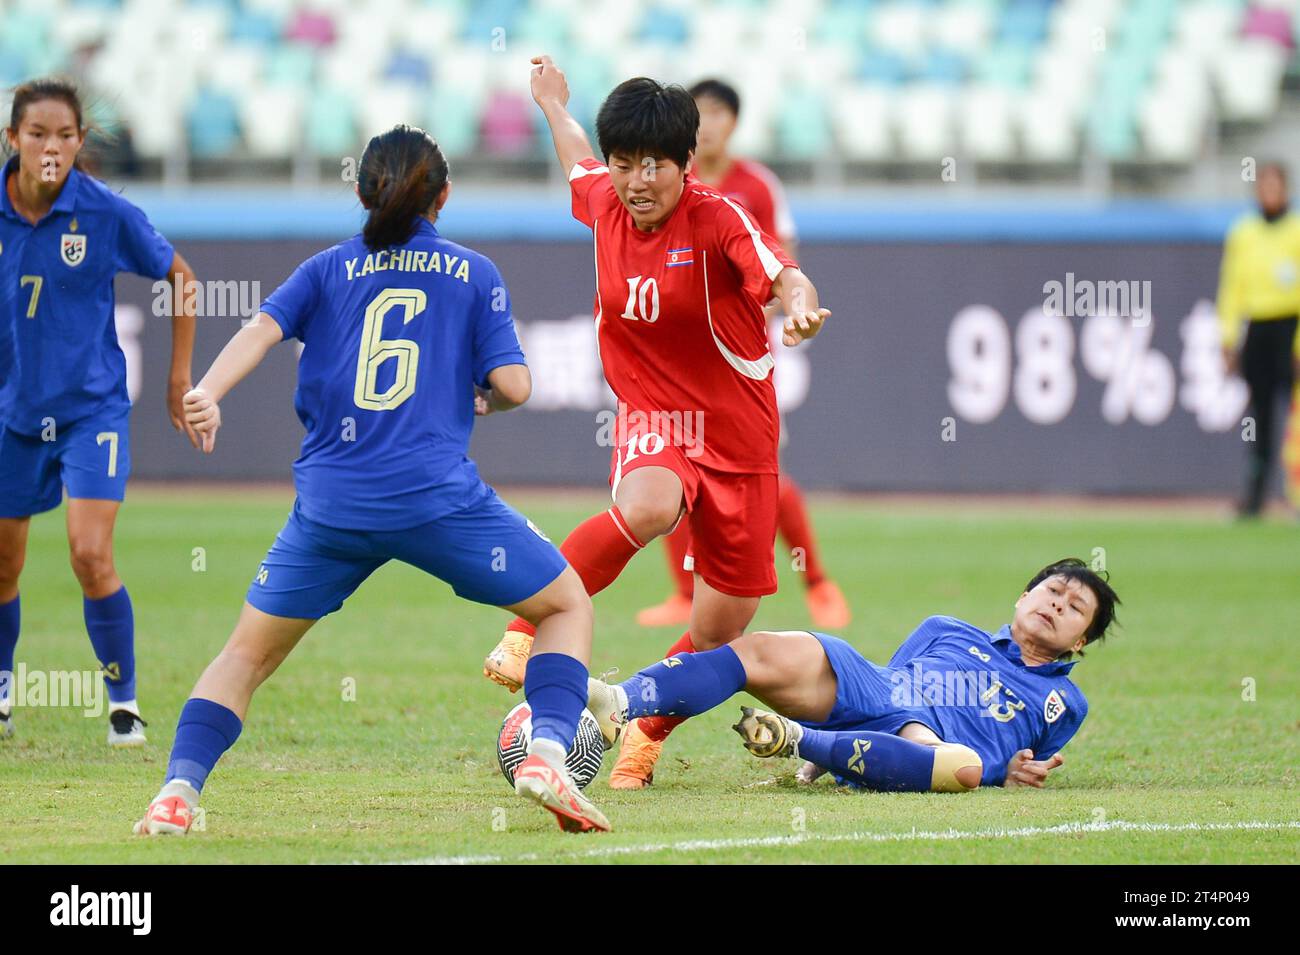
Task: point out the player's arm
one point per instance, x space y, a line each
510 387
180 380
1024 770
242 354
804 318
551 93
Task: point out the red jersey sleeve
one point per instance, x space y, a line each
592 189
756 256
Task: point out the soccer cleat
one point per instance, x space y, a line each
6 722
125 729
554 791
608 704
827 606
506 664
767 734
673 612
166 816
635 766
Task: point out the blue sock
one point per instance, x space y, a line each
10 615
111 625
880 761
685 685
555 685
204 732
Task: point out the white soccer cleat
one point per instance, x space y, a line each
608 704
125 729
6 721
809 773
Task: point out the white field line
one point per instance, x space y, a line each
798 839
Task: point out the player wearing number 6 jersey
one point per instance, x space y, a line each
399 326
682 275
64 408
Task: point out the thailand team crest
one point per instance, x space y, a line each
73 249
1053 707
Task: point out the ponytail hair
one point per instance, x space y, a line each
402 173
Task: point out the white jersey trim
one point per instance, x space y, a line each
771 264
579 170
757 370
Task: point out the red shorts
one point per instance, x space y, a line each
732 516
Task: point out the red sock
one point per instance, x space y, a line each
658 727
598 549
676 545
792 520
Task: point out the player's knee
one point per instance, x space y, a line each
957 769
11 568
649 515
92 561
759 653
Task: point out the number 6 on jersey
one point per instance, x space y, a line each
375 350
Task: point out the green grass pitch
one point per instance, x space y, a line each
1189 753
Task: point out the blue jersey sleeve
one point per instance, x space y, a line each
922 637
294 302
1056 734
140 247
495 340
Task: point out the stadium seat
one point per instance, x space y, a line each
803 129
271 117
1248 78
924 118
863 122
329 129
212 124
986 130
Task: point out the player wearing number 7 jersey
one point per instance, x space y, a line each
64 408
399 326
682 275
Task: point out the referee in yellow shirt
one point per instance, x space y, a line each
1259 286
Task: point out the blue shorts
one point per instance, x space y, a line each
488 553
865 694
90 457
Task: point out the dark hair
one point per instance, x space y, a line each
34 91
1072 568
402 172
642 117
724 93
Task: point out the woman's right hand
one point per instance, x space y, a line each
204 416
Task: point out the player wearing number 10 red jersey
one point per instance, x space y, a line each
682 275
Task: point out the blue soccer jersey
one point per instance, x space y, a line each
394 342
982 694
59 357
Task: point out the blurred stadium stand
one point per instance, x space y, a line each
1145 94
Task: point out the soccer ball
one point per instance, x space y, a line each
585 755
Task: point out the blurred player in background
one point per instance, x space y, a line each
399 326
755 187
64 410
1259 284
682 275
956 707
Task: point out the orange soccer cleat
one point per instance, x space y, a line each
673 612
554 791
635 766
827 606
506 664
166 816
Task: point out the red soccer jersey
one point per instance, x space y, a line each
756 187
679 315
